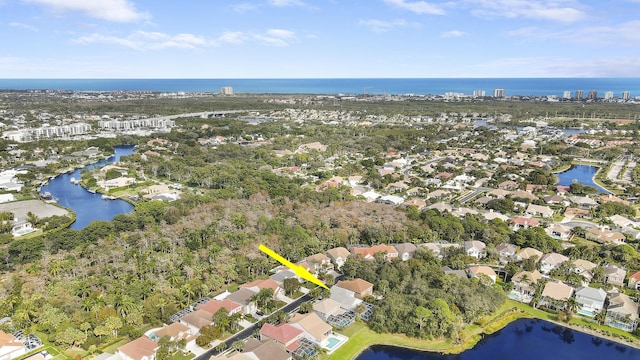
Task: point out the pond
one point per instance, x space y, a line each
582 174
523 339
88 206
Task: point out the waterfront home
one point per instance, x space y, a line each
634 280
551 261
555 294
315 330
524 284
10 347
141 348
610 198
614 275
475 248
338 255
255 349
21 227
622 312
405 250
604 236
480 271
285 335
528 253
539 210
591 300
326 308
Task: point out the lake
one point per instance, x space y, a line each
88 206
523 339
580 173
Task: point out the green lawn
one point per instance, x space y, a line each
180 356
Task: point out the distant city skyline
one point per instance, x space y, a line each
319 39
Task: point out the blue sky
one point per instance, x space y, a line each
319 38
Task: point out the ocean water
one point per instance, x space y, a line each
377 86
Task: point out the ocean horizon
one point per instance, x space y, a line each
328 86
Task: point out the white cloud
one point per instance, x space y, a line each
142 40
283 3
621 35
382 25
111 10
453 33
418 7
275 37
565 11
244 7
24 26
233 37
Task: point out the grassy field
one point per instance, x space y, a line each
361 337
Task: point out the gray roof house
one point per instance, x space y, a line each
591 300
405 250
614 274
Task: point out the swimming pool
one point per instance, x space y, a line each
332 342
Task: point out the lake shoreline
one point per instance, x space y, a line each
504 319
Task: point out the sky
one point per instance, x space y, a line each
319 38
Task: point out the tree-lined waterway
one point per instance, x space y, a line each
88 206
523 339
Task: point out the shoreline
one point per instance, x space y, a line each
514 312
593 178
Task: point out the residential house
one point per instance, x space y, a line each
490 215
622 312
405 250
419 204
196 320
360 288
243 297
459 273
175 332
528 253
556 200
213 306
499 193
614 275
583 202
141 348
338 255
255 349
390 200
524 223
319 262
524 195
604 236
315 329
524 284
551 261
555 294
576 212
438 249
610 198
634 280
273 282
584 268
475 248
285 335
479 271
368 253
10 347
508 185
506 251
326 308
539 210
622 221
591 300
559 231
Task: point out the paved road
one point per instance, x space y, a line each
475 193
249 331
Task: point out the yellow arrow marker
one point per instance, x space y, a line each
299 270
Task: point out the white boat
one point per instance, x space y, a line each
74 181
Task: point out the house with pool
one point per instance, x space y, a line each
590 300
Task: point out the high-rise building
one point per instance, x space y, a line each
226 90
498 93
608 95
478 93
626 95
579 94
593 94
566 95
